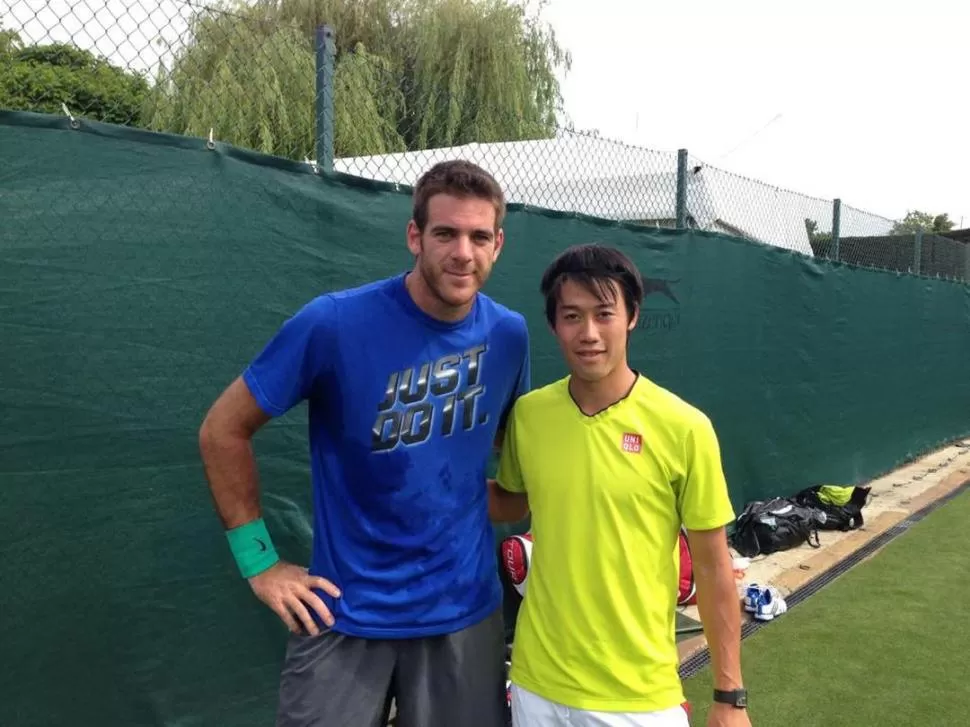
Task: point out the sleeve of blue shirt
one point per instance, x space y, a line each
524 383
297 357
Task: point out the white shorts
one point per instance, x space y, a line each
531 710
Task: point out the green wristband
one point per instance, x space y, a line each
252 548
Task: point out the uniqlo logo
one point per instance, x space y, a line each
632 443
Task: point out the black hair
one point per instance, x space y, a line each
595 267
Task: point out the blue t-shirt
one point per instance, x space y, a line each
403 414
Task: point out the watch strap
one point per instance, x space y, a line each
735 697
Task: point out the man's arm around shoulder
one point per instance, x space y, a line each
505 506
507 502
510 504
225 444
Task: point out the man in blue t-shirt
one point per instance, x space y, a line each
408 382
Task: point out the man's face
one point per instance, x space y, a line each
457 248
591 332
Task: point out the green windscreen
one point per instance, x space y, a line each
140 272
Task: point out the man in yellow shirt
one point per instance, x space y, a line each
611 465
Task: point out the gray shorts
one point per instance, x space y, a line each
336 680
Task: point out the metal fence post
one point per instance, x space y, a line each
918 253
836 225
681 189
326 51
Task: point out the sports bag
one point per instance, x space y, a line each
516 557
686 587
770 526
836 508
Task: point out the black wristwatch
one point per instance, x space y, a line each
736 697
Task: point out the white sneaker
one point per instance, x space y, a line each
752 595
770 604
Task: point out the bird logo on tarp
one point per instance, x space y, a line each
661 286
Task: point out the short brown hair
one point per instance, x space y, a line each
458 178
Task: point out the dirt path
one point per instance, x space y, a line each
894 497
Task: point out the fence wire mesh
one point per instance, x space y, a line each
570 172
261 76
176 66
925 254
867 240
944 258
725 202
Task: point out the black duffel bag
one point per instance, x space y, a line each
769 526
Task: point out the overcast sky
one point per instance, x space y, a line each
864 100
868 101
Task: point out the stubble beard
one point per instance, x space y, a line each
434 282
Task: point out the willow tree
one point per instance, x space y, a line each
410 74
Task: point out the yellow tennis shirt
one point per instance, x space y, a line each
608 494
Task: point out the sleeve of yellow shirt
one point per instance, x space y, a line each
509 475
703 498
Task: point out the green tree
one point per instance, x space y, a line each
410 74
916 220
9 41
42 77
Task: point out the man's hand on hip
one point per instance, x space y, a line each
286 588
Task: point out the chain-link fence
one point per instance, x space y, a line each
570 172
177 66
343 85
726 202
917 251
